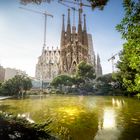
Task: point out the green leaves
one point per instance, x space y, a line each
85 71
130 24
16 85
98 3
62 80
82 79
16 128
129 64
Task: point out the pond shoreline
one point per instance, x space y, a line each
5 97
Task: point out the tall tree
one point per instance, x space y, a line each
27 84
85 71
62 80
129 64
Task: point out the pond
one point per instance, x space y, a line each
81 117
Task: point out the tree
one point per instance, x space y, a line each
8 88
129 64
85 71
16 86
84 76
62 80
82 79
27 84
104 84
94 3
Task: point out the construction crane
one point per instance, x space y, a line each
112 58
71 4
77 2
46 14
62 2
92 4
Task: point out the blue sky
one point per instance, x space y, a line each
21 32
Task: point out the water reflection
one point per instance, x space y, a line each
107 125
109 119
81 97
70 111
82 117
26 116
118 102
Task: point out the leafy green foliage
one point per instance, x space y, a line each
98 3
107 78
62 80
16 128
84 76
130 24
104 84
85 71
129 64
82 79
16 86
26 83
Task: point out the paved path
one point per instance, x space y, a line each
5 97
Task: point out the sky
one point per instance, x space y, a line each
22 32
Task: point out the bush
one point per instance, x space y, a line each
12 127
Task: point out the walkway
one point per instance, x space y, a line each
5 97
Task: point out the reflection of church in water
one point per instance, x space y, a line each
75 46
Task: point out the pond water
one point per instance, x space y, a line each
81 117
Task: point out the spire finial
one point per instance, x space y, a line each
80 22
68 38
63 22
85 22
80 27
68 16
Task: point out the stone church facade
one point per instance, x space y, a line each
47 66
76 45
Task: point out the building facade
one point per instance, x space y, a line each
11 72
92 59
48 65
76 45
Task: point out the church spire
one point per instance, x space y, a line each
98 67
85 28
80 22
68 16
63 31
80 27
85 36
63 22
68 27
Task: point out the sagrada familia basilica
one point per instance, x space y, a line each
76 45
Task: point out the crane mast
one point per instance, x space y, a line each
112 58
71 4
46 14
